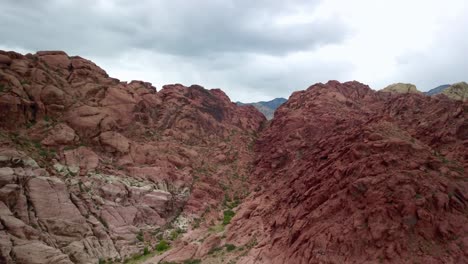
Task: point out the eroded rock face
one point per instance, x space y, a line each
93 168
349 175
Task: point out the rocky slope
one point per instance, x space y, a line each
267 107
349 175
345 174
92 168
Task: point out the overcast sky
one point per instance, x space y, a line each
253 50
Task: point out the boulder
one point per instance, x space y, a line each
114 142
61 134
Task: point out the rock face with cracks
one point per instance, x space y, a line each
357 176
94 169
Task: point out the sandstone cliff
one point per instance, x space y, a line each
357 176
92 168
345 174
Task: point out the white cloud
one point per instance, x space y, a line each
252 50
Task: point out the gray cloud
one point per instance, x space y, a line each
245 77
445 62
238 46
183 28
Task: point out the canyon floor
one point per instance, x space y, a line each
95 170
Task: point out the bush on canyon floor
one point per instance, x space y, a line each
162 246
228 215
175 233
230 247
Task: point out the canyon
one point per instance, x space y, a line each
95 170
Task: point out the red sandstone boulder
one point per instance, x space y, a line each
61 134
55 59
114 142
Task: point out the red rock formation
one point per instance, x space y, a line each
91 168
349 175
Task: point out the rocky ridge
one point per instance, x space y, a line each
97 169
345 174
357 176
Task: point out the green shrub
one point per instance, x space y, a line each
146 251
214 250
230 247
162 246
228 215
43 153
175 233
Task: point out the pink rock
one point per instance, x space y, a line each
56 59
61 134
114 141
83 158
36 252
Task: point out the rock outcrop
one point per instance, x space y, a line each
92 168
349 175
457 91
345 174
401 88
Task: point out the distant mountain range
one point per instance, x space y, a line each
456 91
266 107
437 90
